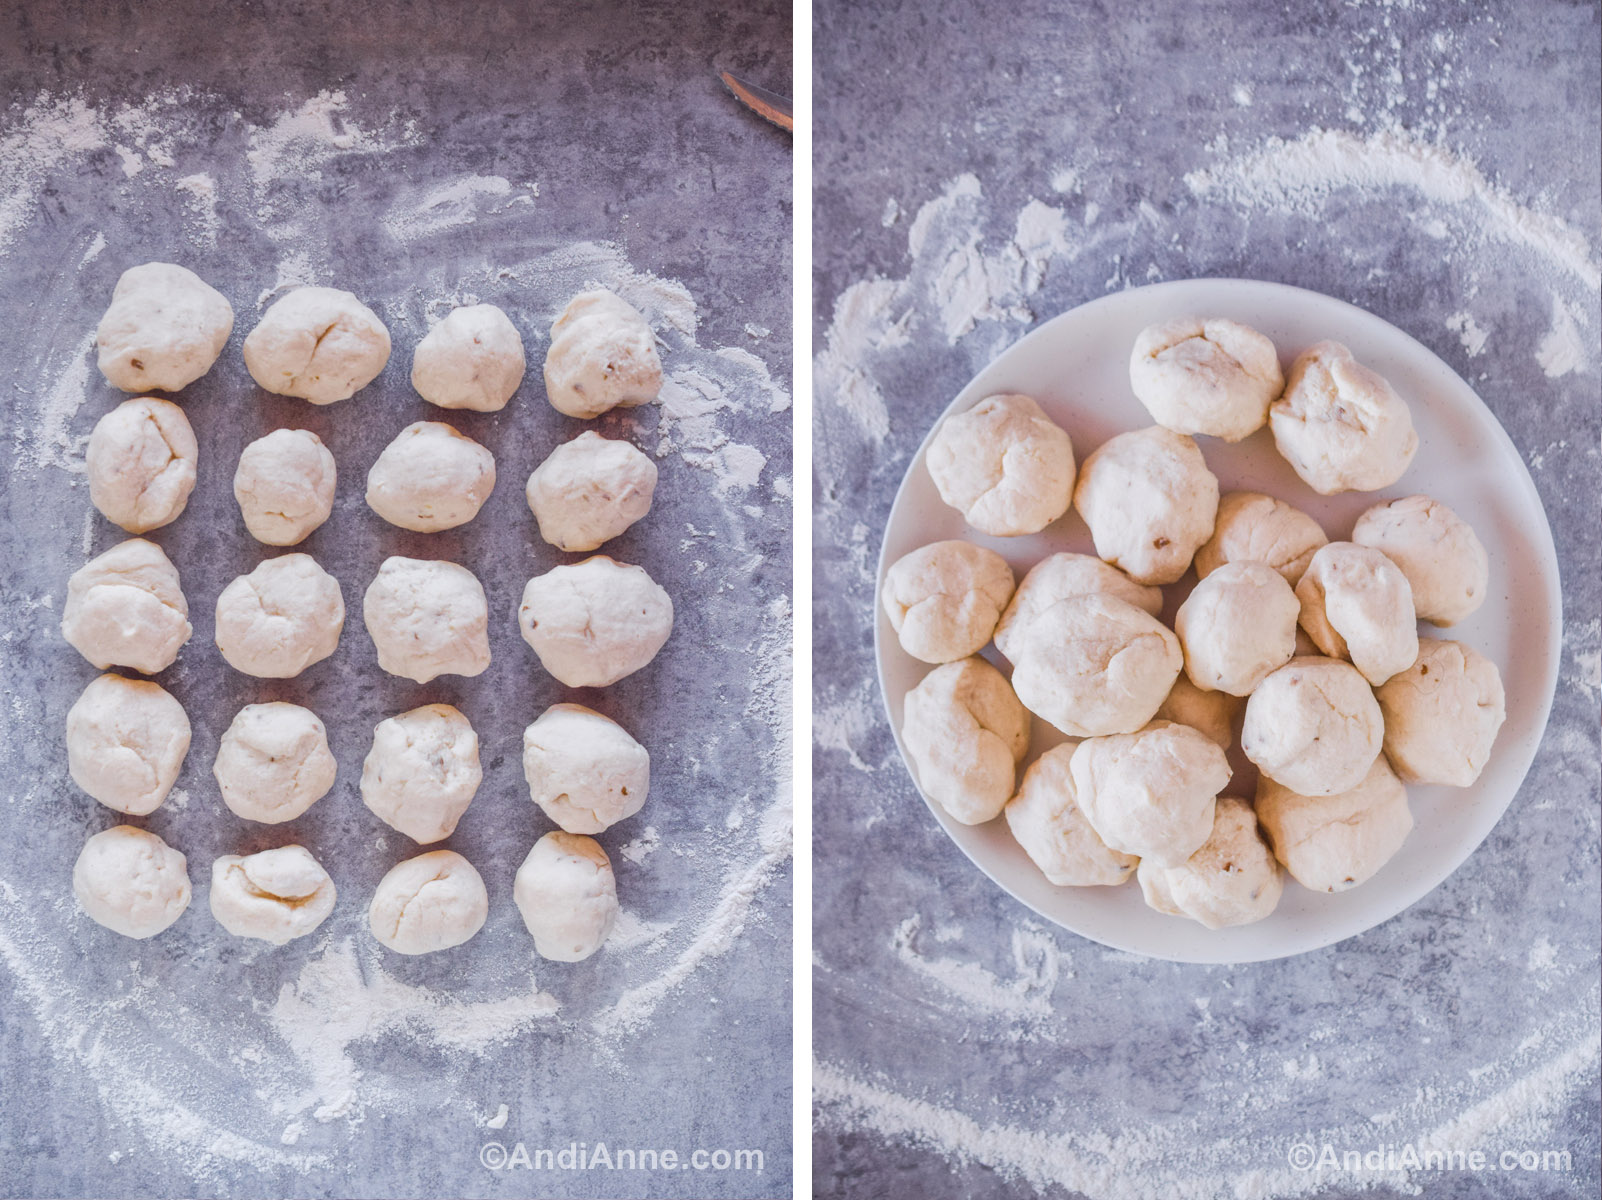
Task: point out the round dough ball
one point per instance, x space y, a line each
1443 560
165 327
422 771
319 343
1342 427
1313 725
285 486
1252 527
1214 376
472 359
1213 713
1057 577
1046 820
126 739
1232 880
583 769
126 609
966 733
589 490
1150 793
131 881
427 618
428 903
1003 464
1236 626
430 478
275 895
592 623
1149 501
567 895
141 464
1356 604
281 618
602 356
273 762
944 599
1442 714
1331 843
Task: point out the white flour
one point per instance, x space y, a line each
1562 350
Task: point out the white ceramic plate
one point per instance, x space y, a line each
1076 366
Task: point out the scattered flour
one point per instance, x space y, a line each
444 206
1468 331
200 201
1562 351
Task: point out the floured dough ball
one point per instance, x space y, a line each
285 486
126 739
430 478
273 762
141 464
428 903
944 599
1236 626
966 733
165 327
125 609
131 881
1232 880
1047 822
1313 725
583 769
1252 527
427 618
275 895
1057 577
281 618
1342 427
1150 793
567 895
590 490
1004 465
1331 843
592 623
1213 713
1442 714
422 771
319 343
1215 377
1356 604
1443 560
1149 501
472 359
602 356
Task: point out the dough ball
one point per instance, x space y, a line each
165 327
285 486
1313 725
583 769
966 734
1057 577
427 618
1331 843
1442 714
1003 464
1047 822
1252 527
318 343
1149 501
1232 880
281 618
273 763
1236 626
1206 376
1213 713
430 478
1356 604
431 902
1342 427
141 464
567 895
592 623
126 739
422 772
944 599
472 359
589 490
602 356
1150 793
131 881
125 609
1443 560
275 895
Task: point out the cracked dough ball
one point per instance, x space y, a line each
141 464
966 733
164 329
472 359
944 599
430 478
126 739
319 343
1046 820
590 490
285 486
275 895
1004 465
1213 713
428 903
583 769
602 356
1443 560
1214 376
131 881
1151 793
1232 880
1252 527
426 619
1331 843
567 895
1149 501
422 771
1356 604
1313 725
1236 626
273 763
1056 578
1442 714
281 618
1342 427
594 622
125 609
